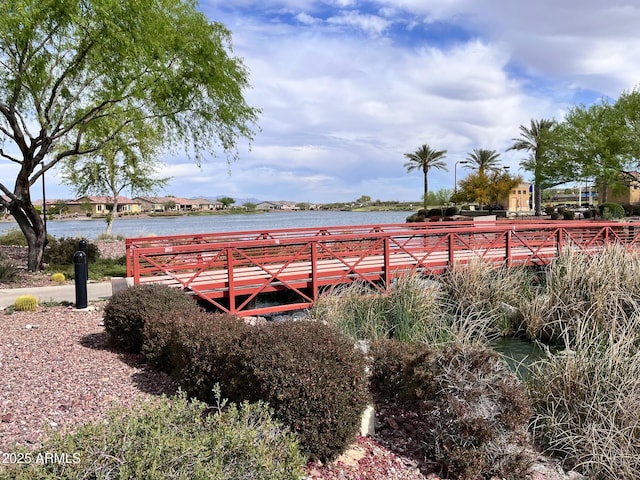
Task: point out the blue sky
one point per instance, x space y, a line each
347 87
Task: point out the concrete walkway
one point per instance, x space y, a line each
59 293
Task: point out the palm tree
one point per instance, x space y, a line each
536 140
483 161
424 159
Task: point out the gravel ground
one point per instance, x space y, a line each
57 372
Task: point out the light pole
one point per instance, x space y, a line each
455 174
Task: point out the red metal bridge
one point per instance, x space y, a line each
235 271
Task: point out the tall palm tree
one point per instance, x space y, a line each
424 159
537 140
483 160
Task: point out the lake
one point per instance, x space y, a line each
140 227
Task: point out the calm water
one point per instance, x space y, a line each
139 227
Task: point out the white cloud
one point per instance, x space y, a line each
347 87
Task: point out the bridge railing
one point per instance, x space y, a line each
233 270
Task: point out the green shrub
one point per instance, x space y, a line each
195 348
172 438
60 251
477 292
548 210
13 237
127 311
99 269
390 377
587 214
106 237
451 211
416 311
311 375
610 211
605 286
472 411
357 310
568 215
555 215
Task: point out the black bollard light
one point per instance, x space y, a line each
80 272
82 246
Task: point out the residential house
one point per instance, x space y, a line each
206 204
177 204
268 206
285 205
101 205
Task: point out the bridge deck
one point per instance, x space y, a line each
235 270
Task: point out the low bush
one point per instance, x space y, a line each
358 311
391 375
555 215
611 211
548 210
311 375
451 211
568 215
60 251
127 311
196 348
14 237
473 412
171 438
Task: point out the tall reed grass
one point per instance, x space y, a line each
479 292
604 287
411 311
587 398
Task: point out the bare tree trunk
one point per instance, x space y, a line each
426 189
111 216
32 226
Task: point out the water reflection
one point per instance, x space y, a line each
519 353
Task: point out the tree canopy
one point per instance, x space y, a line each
424 159
602 141
483 160
74 75
124 163
490 187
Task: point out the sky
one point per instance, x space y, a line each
347 87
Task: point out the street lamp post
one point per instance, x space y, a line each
455 174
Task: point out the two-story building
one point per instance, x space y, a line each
519 199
